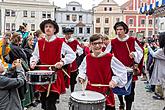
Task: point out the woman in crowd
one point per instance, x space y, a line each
158 74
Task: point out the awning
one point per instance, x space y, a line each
151 7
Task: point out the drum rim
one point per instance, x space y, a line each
40 71
88 102
41 83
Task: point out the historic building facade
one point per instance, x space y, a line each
32 12
139 23
106 14
75 17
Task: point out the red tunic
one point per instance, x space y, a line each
120 51
50 53
99 72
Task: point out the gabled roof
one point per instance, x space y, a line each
80 24
126 4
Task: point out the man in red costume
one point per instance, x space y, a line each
74 44
102 68
49 51
127 50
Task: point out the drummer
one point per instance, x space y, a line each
49 50
102 68
74 44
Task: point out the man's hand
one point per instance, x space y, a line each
112 84
32 65
16 63
81 80
59 65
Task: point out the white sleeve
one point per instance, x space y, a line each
108 48
79 50
138 54
69 54
82 69
35 55
119 71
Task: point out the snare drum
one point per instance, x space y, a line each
40 77
127 89
90 101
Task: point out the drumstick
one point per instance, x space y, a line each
128 48
65 73
100 85
83 94
44 65
48 92
53 65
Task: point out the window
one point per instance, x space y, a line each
8 26
161 26
143 21
74 17
106 20
72 28
32 27
80 30
97 29
74 8
80 17
44 14
131 33
12 13
32 14
68 17
131 21
105 8
88 30
150 22
149 33
110 8
48 14
7 12
107 0
106 31
24 13
156 21
63 28
13 27
97 20
117 19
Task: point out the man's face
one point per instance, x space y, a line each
97 46
106 42
68 35
49 29
120 31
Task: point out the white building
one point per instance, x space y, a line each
74 16
15 12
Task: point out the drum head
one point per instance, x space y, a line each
89 97
40 72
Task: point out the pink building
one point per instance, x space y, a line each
139 23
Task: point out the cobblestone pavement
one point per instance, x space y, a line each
143 100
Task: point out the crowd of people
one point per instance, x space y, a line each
115 62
